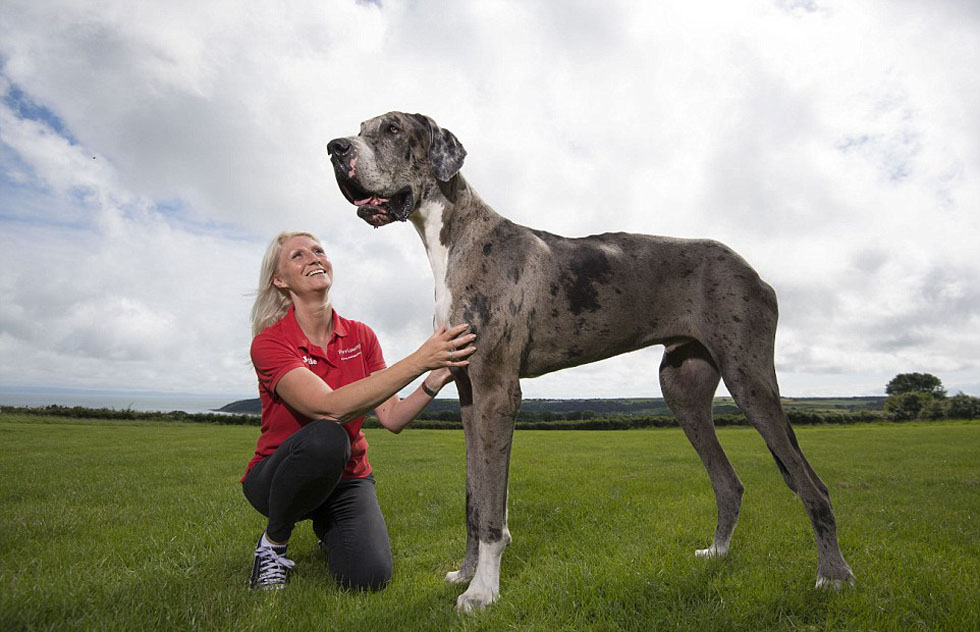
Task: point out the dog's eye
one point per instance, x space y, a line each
393 129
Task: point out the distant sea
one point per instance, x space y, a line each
143 401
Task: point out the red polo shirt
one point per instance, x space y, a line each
353 353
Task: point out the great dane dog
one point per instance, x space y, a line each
540 303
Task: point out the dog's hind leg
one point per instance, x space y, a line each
689 378
756 393
489 434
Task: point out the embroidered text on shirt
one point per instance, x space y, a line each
353 352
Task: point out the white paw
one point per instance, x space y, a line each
458 577
712 551
485 587
475 599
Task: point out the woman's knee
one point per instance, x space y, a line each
367 575
326 442
362 565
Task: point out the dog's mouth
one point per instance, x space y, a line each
375 209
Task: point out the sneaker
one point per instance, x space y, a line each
270 570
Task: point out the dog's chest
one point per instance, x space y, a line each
438 261
429 228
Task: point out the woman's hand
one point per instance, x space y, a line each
446 348
439 378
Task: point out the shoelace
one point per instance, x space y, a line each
272 566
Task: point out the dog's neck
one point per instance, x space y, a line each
437 218
459 209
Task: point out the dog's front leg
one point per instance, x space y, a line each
468 568
489 433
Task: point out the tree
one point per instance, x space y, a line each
916 383
905 406
963 406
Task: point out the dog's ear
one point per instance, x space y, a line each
446 153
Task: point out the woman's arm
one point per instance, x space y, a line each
310 395
396 413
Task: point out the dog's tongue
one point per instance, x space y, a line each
372 201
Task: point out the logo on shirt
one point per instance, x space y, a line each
309 360
349 354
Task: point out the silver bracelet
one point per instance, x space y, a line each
428 391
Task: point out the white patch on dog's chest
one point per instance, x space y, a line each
429 225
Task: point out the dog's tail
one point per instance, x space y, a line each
782 468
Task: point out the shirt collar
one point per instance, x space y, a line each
296 332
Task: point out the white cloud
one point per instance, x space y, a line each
832 143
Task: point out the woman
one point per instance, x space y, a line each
319 373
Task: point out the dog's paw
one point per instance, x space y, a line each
834 575
458 577
712 551
835 584
475 599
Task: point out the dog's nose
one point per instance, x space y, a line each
339 147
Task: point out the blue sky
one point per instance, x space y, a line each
149 151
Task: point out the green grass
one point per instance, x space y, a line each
139 526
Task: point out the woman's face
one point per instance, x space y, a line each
303 266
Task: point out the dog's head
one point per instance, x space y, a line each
392 164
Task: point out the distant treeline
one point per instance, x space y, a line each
576 409
535 414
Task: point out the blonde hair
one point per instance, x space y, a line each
271 303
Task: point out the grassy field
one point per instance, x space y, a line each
138 526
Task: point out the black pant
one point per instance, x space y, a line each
301 480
